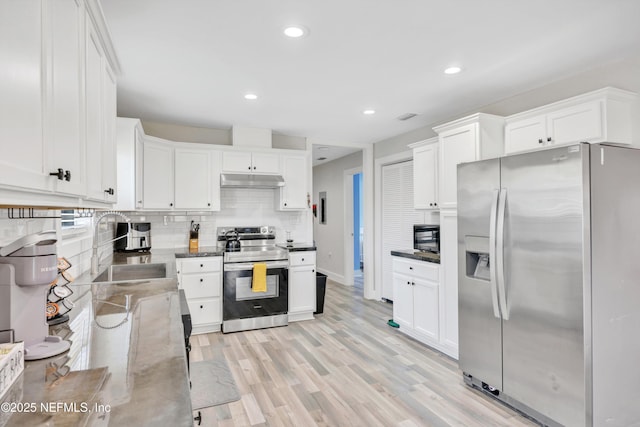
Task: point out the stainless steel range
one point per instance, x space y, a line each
245 307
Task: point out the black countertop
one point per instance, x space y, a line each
417 255
203 251
297 247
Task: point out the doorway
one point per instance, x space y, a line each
358 232
353 228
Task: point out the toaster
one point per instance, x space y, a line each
133 237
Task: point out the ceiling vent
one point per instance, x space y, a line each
407 116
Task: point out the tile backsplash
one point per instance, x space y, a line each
239 207
169 230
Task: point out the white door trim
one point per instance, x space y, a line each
379 163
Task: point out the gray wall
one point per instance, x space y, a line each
329 237
624 74
182 133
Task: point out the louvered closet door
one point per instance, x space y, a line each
398 217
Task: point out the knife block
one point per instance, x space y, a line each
193 241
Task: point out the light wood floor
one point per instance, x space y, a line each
346 368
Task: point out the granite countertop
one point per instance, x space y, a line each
417 255
203 251
123 368
297 247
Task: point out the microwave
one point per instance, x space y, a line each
426 238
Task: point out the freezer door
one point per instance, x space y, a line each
544 232
480 330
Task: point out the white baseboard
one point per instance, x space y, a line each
339 278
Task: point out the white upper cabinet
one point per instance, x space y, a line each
425 174
471 138
66 149
157 176
176 176
599 116
54 103
193 179
293 196
100 88
250 162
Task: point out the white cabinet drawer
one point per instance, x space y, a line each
198 265
201 285
302 258
420 269
205 311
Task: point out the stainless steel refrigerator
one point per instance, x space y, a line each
549 282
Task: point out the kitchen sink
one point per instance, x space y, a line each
130 272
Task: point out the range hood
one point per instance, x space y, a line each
244 180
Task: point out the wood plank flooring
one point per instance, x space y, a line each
346 368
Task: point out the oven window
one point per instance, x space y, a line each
244 292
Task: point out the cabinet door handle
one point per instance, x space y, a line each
548 139
540 141
59 174
67 175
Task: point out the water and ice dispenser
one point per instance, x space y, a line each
477 258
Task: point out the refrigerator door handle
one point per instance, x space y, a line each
492 253
502 293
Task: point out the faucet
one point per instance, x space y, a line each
95 259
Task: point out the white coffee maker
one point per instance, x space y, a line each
28 266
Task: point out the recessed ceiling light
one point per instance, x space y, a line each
251 96
369 112
295 31
452 70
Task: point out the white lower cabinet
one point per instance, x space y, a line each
201 280
418 302
302 285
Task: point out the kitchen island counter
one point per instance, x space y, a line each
127 362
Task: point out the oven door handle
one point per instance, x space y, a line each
247 266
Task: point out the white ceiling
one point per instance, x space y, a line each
190 62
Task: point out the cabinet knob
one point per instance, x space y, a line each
201 265
208 204
285 203
254 168
540 141
430 204
413 284
67 175
313 271
109 191
170 204
59 174
302 259
201 306
435 204
201 280
408 283
548 139
249 168
410 268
